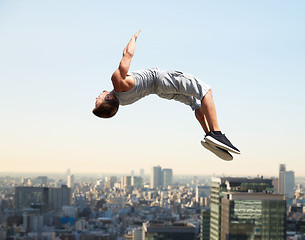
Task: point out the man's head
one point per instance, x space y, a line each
106 105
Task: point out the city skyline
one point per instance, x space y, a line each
143 172
137 173
122 208
56 57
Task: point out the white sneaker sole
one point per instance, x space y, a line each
223 154
214 142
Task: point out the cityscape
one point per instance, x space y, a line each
144 174
154 205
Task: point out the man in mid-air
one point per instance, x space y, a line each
129 87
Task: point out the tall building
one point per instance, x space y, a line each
137 182
175 231
221 185
286 182
215 209
161 178
156 177
252 215
110 181
59 197
205 224
26 197
167 177
32 221
71 181
289 184
282 178
275 183
126 182
202 192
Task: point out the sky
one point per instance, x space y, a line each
57 56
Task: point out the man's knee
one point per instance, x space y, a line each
207 96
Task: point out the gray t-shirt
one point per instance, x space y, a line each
174 85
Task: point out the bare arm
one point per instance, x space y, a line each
119 76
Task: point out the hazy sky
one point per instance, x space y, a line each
57 56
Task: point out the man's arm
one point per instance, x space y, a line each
119 76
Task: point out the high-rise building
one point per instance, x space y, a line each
221 185
202 192
59 197
32 221
289 184
167 177
161 178
26 197
282 178
286 182
205 224
110 181
137 182
156 177
252 215
71 181
275 183
175 231
126 182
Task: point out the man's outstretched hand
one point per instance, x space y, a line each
137 34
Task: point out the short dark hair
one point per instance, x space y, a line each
107 109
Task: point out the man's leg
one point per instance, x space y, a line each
209 111
214 136
221 153
202 120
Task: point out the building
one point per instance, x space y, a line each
205 224
156 177
136 182
126 182
26 197
167 177
137 234
286 182
32 221
175 231
59 197
110 181
71 181
202 192
221 185
161 178
281 185
252 215
289 184
275 183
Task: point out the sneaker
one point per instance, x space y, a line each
220 141
221 153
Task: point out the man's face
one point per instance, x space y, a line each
102 97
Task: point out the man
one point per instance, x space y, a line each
182 87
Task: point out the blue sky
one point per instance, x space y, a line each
57 56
